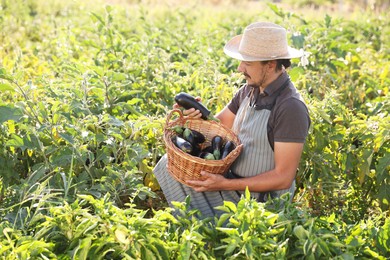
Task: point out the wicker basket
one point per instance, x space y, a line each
183 166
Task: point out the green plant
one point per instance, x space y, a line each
85 90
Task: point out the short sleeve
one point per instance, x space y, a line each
234 104
292 122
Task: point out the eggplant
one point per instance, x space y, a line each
208 149
206 156
187 101
198 137
202 154
182 144
189 136
193 136
216 144
229 146
195 150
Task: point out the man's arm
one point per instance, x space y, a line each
226 116
287 157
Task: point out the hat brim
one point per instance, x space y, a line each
231 49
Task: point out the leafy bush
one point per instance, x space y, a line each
84 95
95 228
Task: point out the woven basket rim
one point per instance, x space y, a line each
181 121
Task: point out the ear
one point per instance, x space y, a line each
272 65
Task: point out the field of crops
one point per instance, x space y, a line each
85 89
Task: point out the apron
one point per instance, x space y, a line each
257 156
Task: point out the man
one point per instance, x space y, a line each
269 117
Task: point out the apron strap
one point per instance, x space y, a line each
270 107
278 92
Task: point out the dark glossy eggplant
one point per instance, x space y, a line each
228 147
187 101
208 149
198 136
193 136
216 144
182 144
195 149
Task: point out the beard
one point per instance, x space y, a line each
251 85
255 84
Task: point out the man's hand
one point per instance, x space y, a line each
192 112
208 182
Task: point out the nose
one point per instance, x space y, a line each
241 67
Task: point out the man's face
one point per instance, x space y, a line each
255 72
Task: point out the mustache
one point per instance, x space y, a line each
246 75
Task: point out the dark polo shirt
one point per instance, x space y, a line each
289 120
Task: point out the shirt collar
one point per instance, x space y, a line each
276 84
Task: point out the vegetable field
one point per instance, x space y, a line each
85 87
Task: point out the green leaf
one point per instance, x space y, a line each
298 40
271 219
162 250
35 248
91 43
5 75
241 205
383 237
383 168
278 11
6 87
300 232
82 250
229 231
248 250
134 101
231 247
384 195
339 64
98 18
108 8
185 250
295 73
328 20
222 219
113 121
67 137
64 157
230 205
347 256
10 113
4 249
247 194
16 141
118 76
322 246
373 254
121 234
146 253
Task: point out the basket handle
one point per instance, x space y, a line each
173 111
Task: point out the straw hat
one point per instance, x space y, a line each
261 41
